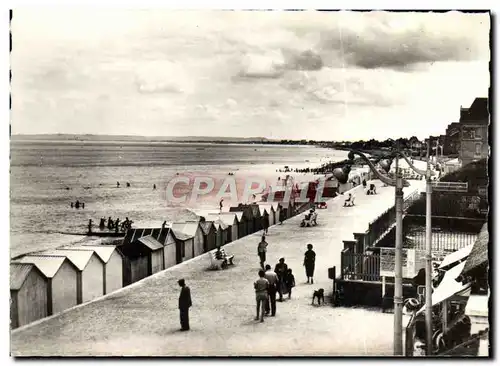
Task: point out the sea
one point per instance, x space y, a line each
47 176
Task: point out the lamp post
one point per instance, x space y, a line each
399 183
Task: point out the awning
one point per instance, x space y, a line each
448 286
456 256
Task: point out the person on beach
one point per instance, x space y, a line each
154 186
71 204
220 204
184 304
164 224
309 261
117 184
261 251
102 223
272 278
281 269
90 225
128 184
83 205
265 223
77 204
364 183
110 223
289 282
261 293
117 224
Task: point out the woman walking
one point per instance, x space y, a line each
309 259
261 251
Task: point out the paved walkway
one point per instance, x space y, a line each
143 320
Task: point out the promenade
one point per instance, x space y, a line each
143 319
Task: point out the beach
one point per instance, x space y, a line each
47 176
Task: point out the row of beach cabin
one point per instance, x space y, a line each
49 282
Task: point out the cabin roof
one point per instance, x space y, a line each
227 219
150 242
103 251
47 265
206 225
80 258
185 214
479 252
189 227
238 214
18 274
158 233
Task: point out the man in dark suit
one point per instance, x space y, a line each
184 304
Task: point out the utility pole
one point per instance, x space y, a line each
428 256
398 270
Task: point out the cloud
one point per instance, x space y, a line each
388 41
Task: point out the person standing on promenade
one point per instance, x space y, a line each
261 251
309 260
281 269
261 287
289 282
272 278
184 304
265 223
282 214
220 204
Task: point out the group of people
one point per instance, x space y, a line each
125 225
78 204
279 281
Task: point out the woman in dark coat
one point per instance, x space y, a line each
309 259
265 223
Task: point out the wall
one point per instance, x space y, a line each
367 293
157 261
114 270
32 299
92 280
138 269
198 242
169 254
188 249
64 288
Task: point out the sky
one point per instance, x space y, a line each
294 75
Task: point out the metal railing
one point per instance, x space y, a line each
360 266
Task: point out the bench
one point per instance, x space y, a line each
219 263
349 203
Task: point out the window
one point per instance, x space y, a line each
478 149
468 133
477 133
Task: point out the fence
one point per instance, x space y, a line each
382 224
452 204
360 266
441 241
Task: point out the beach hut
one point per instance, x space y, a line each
249 218
135 263
162 235
90 268
242 224
257 218
28 294
155 253
112 273
229 225
193 229
61 275
184 244
273 218
209 235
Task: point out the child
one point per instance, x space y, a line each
289 282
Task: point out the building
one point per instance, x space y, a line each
112 273
90 282
242 224
141 258
28 294
257 219
229 225
209 235
474 123
192 229
184 244
249 218
162 235
452 142
61 275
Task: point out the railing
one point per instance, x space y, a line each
360 266
381 225
442 241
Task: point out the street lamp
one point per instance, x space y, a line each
399 183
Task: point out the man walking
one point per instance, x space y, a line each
261 251
272 278
184 304
309 261
261 287
281 270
